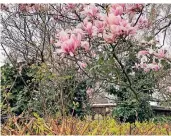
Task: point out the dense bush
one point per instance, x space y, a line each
131 111
161 119
73 126
14 93
37 89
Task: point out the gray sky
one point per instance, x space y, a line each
2 57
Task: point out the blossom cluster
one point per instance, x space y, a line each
109 25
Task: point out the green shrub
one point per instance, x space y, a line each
131 111
74 126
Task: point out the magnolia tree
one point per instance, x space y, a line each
94 40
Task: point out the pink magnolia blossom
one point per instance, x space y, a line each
114 6
156 67
91 10
89 28
79 31
100 26
102 17
143 52
146 70
143 23
71 5
122 5
113 20
123 28
23 7
128 28
109 38
30 8
37 7
160 54
141 65
68 46
116 29
85 45
148 67
63 36
77 39
93 53
124 23
134 7
82 65
131 31
153 66
117 10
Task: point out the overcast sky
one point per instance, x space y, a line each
2 57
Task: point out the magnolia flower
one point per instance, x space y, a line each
153 66
68 46
89 28
23 7
124 23
113 20
118 5
109 38
37 7
143 52
116 29
63 36
143 23
79 31
93 54
85 45
71 5
117 9
134 7
142 65
82 65
160 54
148 67
123 28
131 30
146 70
91 10
101 16
100 26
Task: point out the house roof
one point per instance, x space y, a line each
101 105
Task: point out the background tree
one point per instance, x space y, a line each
107 44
